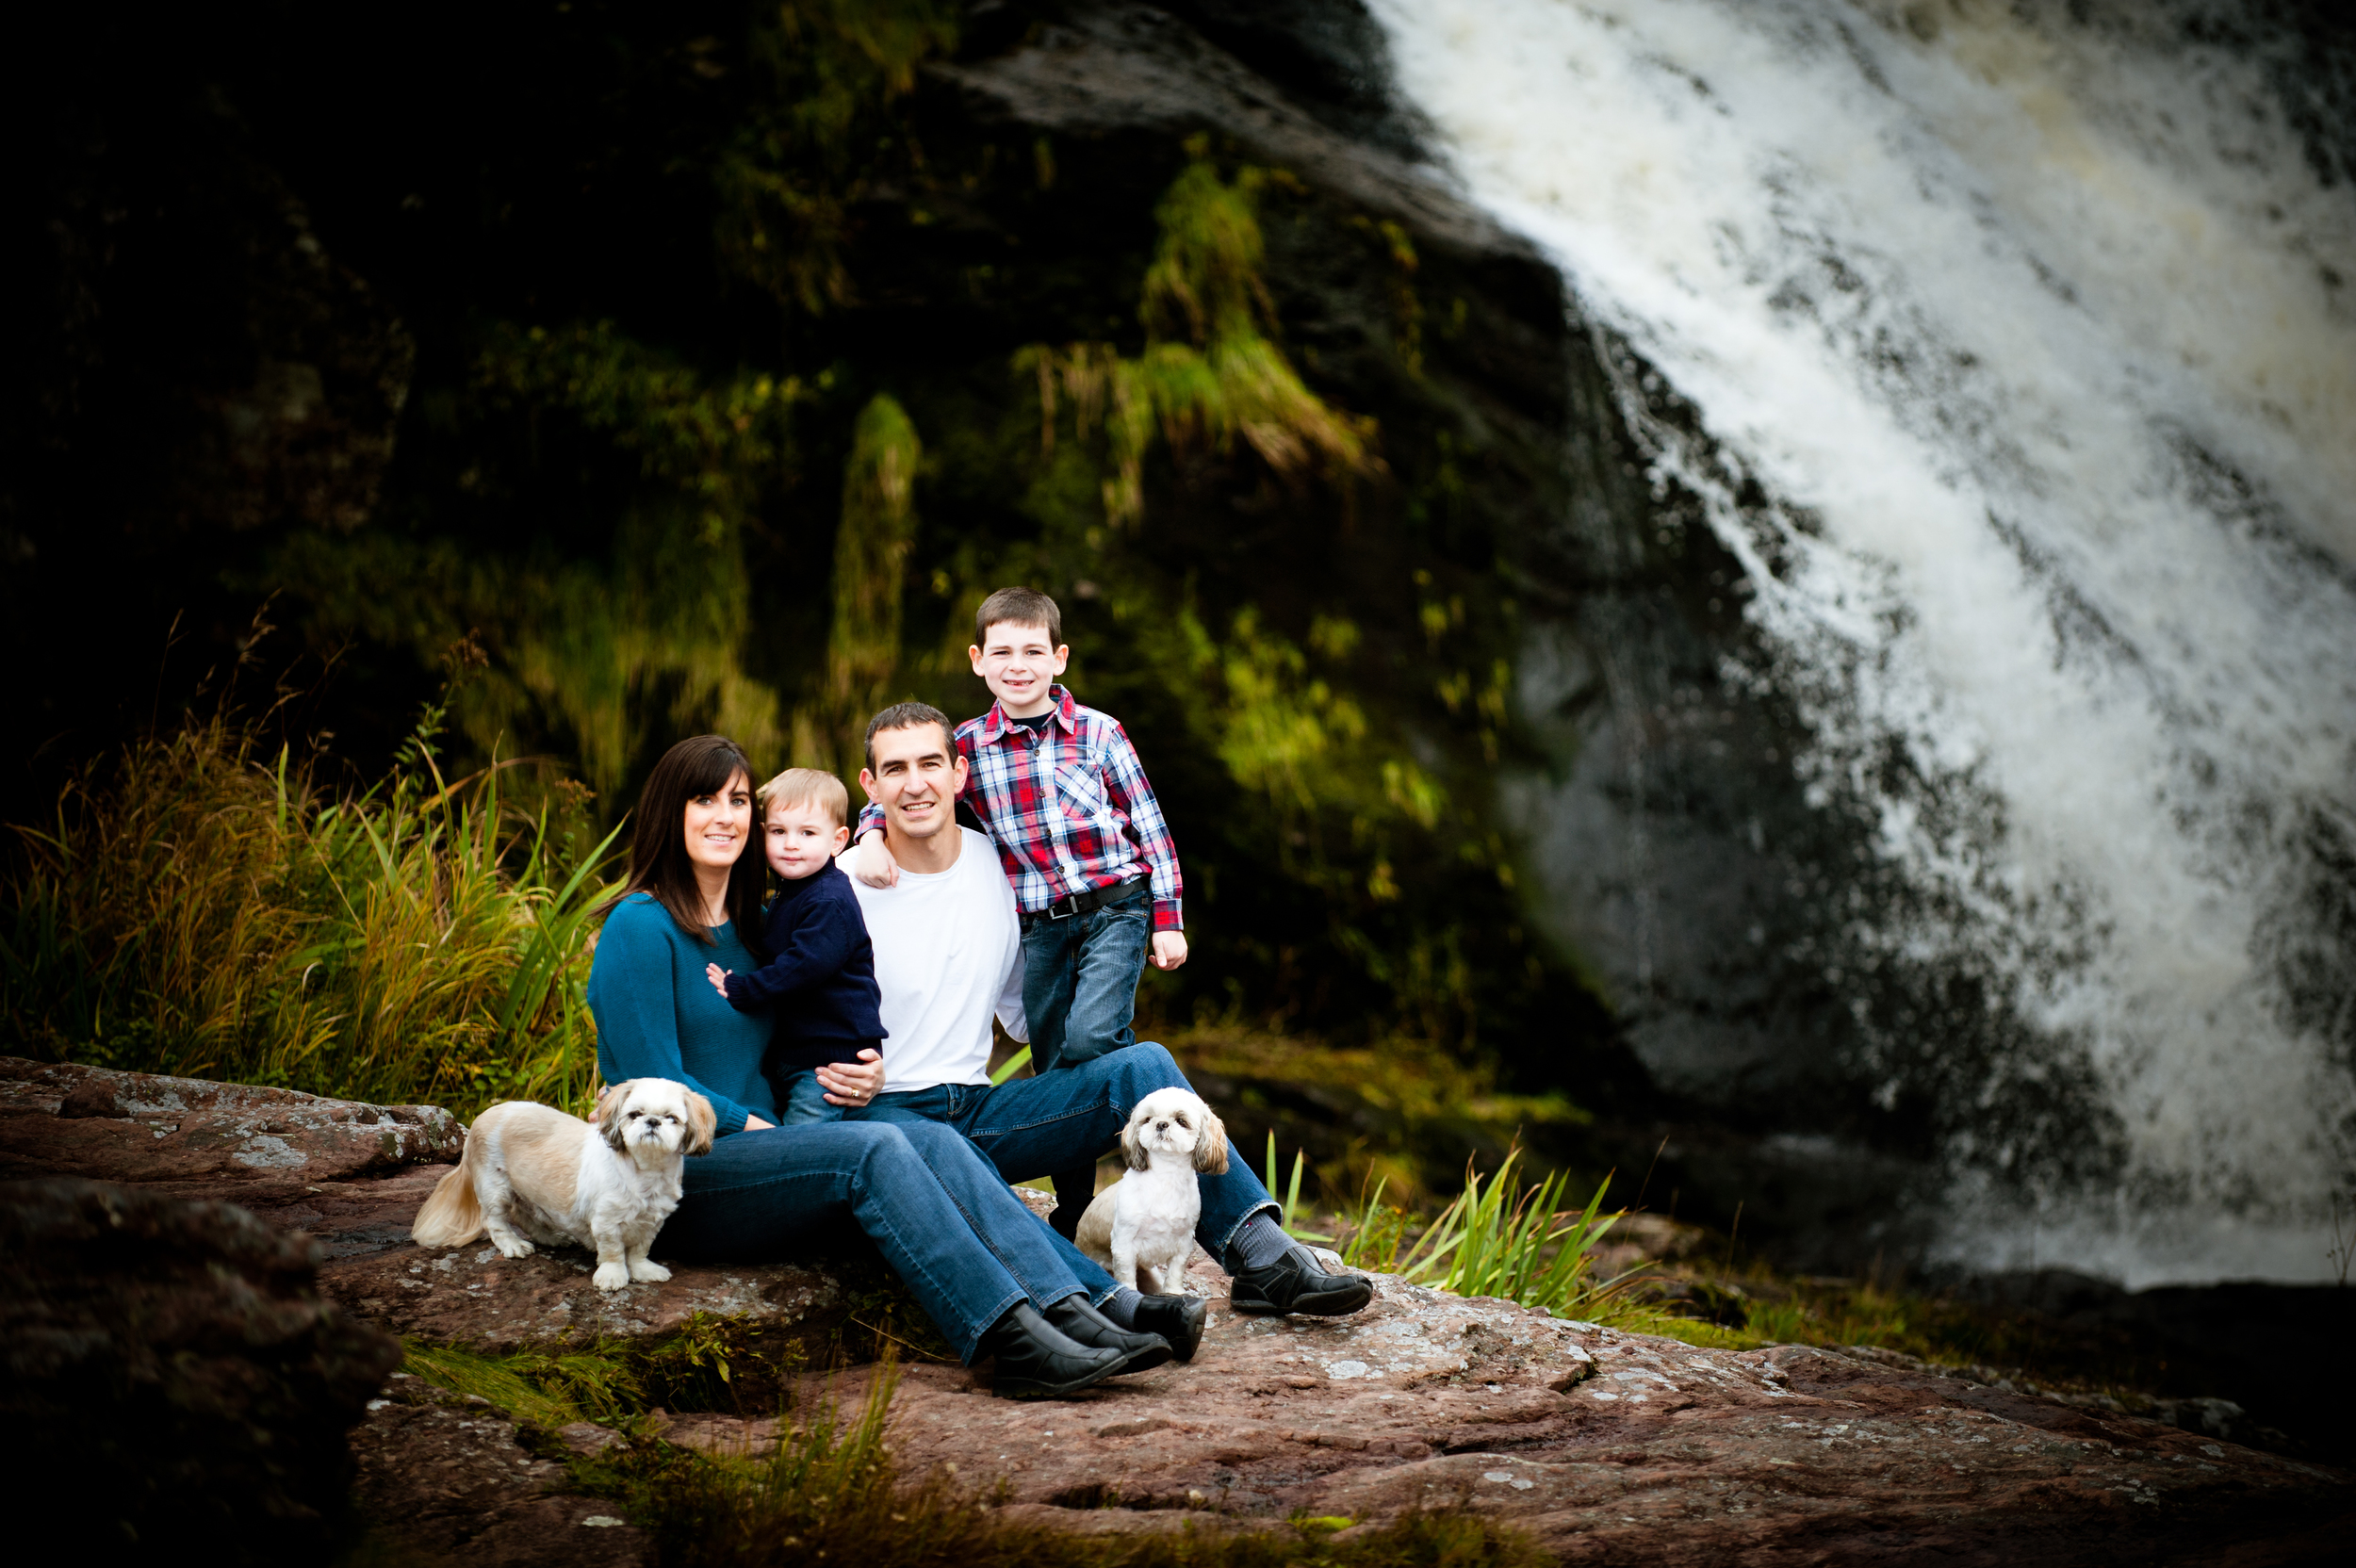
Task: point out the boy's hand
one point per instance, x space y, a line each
1169 949
719 978
872 863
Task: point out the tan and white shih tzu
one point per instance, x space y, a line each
531 1174
1142 1226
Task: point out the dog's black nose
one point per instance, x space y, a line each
1161 1126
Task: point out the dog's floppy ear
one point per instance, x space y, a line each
1210 1145
701 1124
610 1107
1132 1153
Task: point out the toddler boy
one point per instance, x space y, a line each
820 975
1060 792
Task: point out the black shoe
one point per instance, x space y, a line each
1037 1362
1076 1320
1177 1318
1294 1283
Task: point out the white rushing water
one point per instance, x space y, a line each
2042 323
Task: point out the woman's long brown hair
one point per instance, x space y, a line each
657 851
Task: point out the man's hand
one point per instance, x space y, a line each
719 978
872 862
853 1083
1169 949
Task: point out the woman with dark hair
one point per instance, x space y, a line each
920 1190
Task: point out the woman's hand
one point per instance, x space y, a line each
719 978
853 1083
754 1124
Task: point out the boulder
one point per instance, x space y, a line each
174 1376
65 1119
1606 1447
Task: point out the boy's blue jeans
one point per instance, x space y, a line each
802 1100
1080 980
1080 992
940 1213
1029 1127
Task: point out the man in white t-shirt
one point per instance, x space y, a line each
948 957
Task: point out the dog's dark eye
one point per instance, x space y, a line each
1182 1121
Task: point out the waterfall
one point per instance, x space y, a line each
2010 352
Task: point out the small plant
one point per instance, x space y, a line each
1523 1247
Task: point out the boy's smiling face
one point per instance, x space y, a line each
1019 666
801 838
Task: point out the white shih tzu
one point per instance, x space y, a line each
1142 1226
533 1174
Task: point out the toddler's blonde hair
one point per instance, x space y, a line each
805 787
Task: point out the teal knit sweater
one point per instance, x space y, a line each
658 1016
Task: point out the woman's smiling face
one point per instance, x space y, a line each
720 824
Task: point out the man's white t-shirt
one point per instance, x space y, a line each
948 956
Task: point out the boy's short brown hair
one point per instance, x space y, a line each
805 787
1018 607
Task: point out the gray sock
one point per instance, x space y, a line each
1121 1307
1260 1243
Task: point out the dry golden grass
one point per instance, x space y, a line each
196 908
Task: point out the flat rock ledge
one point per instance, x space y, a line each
1607 1447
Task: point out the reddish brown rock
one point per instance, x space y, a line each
1607 1447
446 1479
60 1118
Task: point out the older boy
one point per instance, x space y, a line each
820 961
1062 795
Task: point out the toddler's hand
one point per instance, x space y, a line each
873 864
1169 949
719 978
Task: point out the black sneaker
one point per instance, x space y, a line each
1294 1283
1035 1361
1177 1318
1083 1324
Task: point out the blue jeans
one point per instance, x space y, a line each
942 1216
802 1099
1030 1127
1080 981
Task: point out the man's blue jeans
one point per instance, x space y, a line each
942 1215
1029 1127
1080 981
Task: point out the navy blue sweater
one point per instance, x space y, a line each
822 981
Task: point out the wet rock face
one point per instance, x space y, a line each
62 1118
172 1374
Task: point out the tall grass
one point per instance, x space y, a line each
1526 1244
200 907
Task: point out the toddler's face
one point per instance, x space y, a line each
801 838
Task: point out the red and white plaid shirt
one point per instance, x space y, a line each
1068 805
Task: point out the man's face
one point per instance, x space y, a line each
800 839
915 779
1017 665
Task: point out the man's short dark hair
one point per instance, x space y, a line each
908 715
1018 607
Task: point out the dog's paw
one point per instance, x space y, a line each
611 1276
519 1248
649 1271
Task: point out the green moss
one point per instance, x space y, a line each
870 552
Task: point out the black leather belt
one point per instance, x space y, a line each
1095 898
